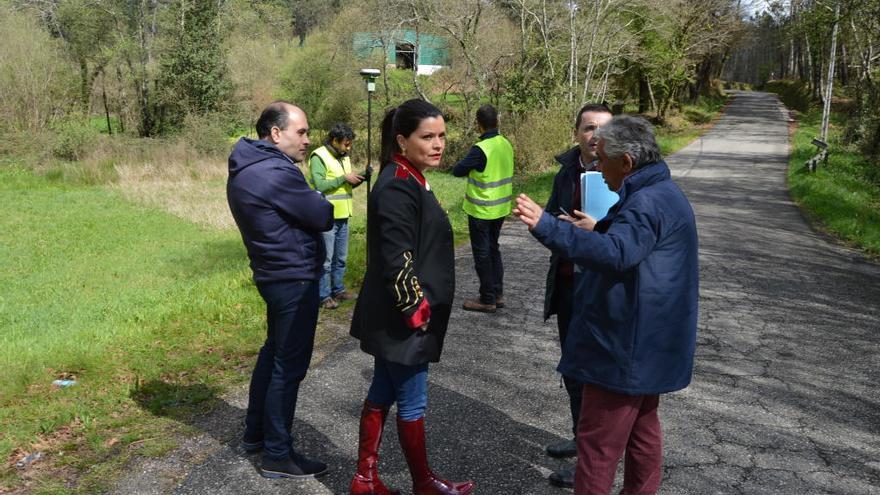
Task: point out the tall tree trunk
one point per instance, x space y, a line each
84 85
416 55
588 72
811 67
122 99
572 54
384 43
826 111
106 107
644 100
546 38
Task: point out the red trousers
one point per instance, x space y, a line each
610 424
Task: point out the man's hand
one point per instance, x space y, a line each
580 220
528 211
353 178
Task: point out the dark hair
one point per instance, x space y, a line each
277 114
340 132
487 117
403 120
590 107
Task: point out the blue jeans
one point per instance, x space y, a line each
291 316
487 257
336 245
407 385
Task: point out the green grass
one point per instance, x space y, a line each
691 121
100 123
671 142
138 305
843 196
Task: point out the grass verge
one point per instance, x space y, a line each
141 308
842 198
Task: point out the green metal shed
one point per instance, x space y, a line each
431 54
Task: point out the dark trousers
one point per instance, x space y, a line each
291 316
564 295
487 257
613 424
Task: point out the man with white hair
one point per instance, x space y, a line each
633 338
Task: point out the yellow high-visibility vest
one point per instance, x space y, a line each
340 198
489 194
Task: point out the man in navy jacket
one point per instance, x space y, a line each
281 219
633 329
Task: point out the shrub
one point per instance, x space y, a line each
313 76
343 104
742 86
864 125
794 94
539 136
207 134
253 71
74 137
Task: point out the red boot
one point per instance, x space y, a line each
366 481
425 482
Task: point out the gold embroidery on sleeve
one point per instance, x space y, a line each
406 285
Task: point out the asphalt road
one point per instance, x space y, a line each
784 398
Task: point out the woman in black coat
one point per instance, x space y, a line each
404 304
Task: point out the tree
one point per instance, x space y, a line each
193 71
85 28
308 13
34 75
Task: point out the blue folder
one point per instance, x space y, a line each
596 198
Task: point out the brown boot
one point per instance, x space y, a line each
344 296
425 482
366 481
476 305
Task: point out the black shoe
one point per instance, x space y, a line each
296 466
251 442
566 448
562 477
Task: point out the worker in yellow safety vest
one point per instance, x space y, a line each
487 202
330 173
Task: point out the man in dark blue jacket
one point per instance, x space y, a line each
281 219
633 333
